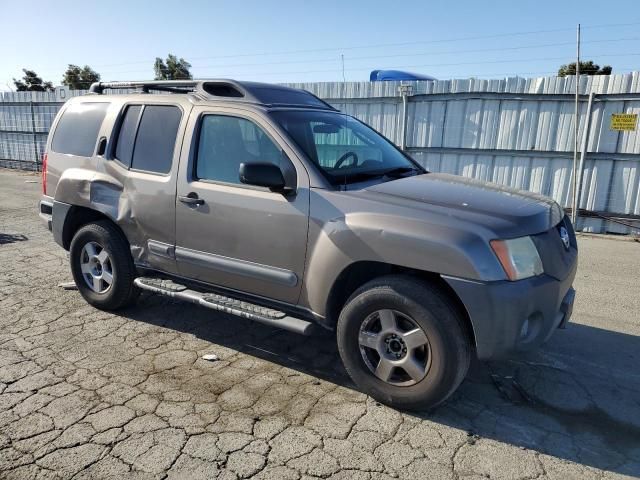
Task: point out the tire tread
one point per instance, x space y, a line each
125 292
437 302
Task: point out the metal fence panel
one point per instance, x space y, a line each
514 131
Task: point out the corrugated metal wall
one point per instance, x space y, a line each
515 131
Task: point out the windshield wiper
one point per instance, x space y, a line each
358 176
399 171
354 177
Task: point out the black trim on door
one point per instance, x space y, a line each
238 267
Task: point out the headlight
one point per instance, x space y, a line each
519 257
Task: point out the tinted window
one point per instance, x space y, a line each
77 130
345 149
286 96
156 139
226 142
127 135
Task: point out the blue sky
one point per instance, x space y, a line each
280 41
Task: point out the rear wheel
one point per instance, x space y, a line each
402 342
102 266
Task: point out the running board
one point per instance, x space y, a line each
247 310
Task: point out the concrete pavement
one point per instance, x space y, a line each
89 394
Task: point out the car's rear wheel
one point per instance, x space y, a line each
102 266
402 341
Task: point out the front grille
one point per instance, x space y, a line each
556 260
566 223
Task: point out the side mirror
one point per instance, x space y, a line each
263 175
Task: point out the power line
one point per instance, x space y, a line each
450 52
382 45
357 47
374 57
368 57
451 64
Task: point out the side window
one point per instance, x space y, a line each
226 142
127 134
156 138
77 130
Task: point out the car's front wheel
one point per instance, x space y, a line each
402 341
102 266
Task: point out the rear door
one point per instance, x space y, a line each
144 156
241 237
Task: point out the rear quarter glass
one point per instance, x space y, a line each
77 131
127 134
156 138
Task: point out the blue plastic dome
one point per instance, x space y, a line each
391 75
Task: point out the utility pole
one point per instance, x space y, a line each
405 91
574 201
36 157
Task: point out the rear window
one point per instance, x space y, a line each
77 130
156 138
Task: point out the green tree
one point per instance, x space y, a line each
31 82
172 69
77 78
586 68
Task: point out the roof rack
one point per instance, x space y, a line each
174 86
251 92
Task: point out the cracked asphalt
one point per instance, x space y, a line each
89 394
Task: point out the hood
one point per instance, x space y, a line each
507 211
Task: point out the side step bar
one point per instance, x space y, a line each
247 310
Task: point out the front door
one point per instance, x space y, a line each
233 235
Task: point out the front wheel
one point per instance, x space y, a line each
402 341
102 266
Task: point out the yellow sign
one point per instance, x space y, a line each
624 121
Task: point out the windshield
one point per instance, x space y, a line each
345 149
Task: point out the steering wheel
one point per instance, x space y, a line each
342 159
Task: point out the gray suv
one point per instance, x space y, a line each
267 203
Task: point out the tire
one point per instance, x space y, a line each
443 359
102 243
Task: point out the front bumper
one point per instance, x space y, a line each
514 317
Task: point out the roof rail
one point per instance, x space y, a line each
230 90
175 86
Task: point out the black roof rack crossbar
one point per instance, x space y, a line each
174 86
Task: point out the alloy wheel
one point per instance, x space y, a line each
394 348
95 264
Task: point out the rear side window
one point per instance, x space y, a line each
124 147
156 138
77 130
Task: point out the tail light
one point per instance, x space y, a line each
44 173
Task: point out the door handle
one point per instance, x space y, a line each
102 146
191 199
